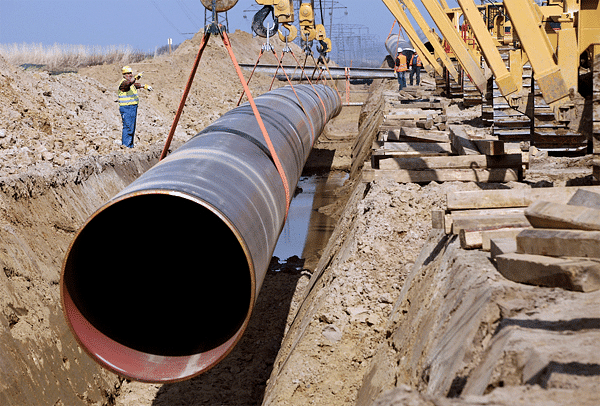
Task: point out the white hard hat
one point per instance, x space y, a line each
399 49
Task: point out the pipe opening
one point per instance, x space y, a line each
160 274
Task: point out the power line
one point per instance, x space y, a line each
187 11
166 19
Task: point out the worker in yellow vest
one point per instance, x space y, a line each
128 103
415 68
401 67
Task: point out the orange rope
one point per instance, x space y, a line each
261 124
334 82
251 74
276 70
347 72
311 84
312 129
392 29
186 92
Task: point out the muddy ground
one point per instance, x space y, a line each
325 329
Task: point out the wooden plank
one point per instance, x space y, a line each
405 115
577 274
419 148
450 217
543 214
489 147
471 239
488 235
444 175
482 199
559 243
426 124
454 162
460 141
500 246
585 198
483 223
419 134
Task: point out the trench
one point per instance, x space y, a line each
307 230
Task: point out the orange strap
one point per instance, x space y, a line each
307 78
276 70
334 82
261 125
251 74
312 137
186 92
392 29
347 72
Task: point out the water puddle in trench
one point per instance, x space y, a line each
307 231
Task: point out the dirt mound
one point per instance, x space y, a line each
51 121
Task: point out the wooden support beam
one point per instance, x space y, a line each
460 141
483 223
454 162
413 149
482 199
489 147
444 175
585 198
424 136
543 214
407 134
510 233
500 246
577 274
559 243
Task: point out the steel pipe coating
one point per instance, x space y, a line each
159 283
392 43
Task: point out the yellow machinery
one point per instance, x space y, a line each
283 12
309 31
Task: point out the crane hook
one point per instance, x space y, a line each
258 20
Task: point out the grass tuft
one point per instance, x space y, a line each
62 57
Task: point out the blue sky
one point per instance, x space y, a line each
146 24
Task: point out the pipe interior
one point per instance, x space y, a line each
160 274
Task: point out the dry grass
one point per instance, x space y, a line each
60 57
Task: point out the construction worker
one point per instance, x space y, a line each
401 67
128 103
415 68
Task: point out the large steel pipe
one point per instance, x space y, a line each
158 285
393 42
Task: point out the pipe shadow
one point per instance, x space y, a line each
241 378
319 161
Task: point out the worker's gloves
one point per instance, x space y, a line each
139 76
148 88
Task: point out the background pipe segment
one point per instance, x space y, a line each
158 285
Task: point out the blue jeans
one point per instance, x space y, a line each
128 115
401 80
415 70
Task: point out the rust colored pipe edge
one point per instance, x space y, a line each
158 285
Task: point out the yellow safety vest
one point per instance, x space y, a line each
129 98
